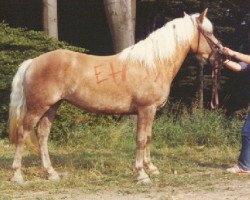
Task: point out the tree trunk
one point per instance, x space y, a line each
200 77
200 86
121 20
50 25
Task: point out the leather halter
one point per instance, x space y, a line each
215 47
216 64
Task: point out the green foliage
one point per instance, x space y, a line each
198 128
17 45
171 129
74 126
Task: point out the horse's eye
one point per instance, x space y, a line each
210 33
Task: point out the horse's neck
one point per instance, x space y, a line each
173 66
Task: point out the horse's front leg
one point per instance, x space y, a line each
147 158
144 127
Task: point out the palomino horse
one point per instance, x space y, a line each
135 81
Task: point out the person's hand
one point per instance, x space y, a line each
227 51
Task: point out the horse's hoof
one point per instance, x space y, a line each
145 181
155 172
19 180
54 177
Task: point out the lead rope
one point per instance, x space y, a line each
216 72
214 103
216 67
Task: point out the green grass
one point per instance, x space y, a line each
99 156
100 169
194 128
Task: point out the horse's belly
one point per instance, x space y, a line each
103 103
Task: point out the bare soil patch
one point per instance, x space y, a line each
227 190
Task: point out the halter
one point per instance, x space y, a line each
216 64
215 47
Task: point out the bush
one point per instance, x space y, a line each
17 45
198 128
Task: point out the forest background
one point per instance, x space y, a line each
83 23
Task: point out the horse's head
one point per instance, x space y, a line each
204 44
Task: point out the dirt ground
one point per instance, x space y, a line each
231 190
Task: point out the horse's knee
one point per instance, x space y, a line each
43 129
20 138
141 144
21 135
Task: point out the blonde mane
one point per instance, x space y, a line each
162 43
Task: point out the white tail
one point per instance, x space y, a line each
17 107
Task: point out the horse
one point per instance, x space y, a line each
135 81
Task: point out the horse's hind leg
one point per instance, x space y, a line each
43 131
144 127
24 129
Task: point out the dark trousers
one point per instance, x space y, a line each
244 158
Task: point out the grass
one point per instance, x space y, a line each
91 170
100 157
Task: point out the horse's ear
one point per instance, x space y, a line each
202 16
185 14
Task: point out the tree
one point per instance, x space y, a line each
121 20
50 25
200 76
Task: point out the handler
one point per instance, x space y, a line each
243 165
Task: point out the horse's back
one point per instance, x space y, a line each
76 77
49 74
96 83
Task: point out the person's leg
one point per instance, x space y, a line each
244 158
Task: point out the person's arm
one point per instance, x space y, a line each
233 65
237 55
